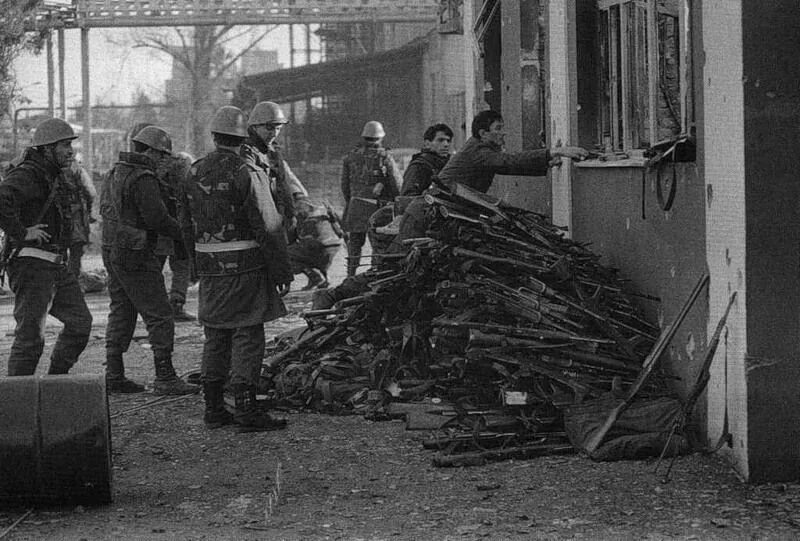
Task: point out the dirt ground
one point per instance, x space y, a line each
345 478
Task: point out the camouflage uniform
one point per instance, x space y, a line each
240 255
363 168
38 273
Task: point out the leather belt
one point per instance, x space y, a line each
232 246
37 253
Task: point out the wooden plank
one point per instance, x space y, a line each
652 69
625 75
613 40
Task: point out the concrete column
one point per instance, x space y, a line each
511 90
87 97
752 230
470 47
51 84
62 93
563 101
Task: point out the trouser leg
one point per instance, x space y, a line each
354 246
33 284
121 323
69 307
215 369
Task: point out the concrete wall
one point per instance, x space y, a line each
661 253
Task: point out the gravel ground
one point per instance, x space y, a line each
346 478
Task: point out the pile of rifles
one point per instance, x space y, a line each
483 331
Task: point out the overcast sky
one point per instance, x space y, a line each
116 70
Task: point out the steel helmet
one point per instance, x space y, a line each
51 131
229 120
154 137
267 112
373 129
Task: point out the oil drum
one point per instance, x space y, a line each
55 440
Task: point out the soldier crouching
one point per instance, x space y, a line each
241 260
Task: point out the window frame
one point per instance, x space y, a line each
630 60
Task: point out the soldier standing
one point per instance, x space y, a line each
370 179
240 256
261 149
81 214
134 214
36 214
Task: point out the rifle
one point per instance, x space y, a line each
699 386
647 367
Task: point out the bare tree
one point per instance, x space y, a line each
13 41
202 51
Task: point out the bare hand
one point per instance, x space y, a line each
575 153
377 190
37 233
283 289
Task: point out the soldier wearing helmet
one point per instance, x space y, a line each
241 260
134 214
370 180
262 150
36 215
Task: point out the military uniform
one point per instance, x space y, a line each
81 214
364 167
134 214
38 273
240 256
319 238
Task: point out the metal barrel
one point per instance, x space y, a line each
55 440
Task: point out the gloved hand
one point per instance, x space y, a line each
377 190
283 289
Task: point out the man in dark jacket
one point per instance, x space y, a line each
240 256
370 180
483 156
134 214
36 214
429 161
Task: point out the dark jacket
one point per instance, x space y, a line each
23 194
228 201
420 172
134 211
476 164
363 168
258 154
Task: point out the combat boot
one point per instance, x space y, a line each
248 417
116 382
215 416
179 313
168 383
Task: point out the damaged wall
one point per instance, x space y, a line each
662 253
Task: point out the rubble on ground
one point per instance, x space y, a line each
484 333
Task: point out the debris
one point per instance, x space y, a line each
16 523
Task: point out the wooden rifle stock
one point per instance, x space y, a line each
647 367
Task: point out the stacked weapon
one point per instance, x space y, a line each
494 310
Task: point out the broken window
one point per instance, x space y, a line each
645 72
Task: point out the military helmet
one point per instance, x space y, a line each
267 112
51 131
154 137
229 120
373 129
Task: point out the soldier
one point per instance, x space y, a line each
428 161
81 214
262 150
134 214
240 257
319 238
36 214
370 179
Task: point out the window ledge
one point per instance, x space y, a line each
626 162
